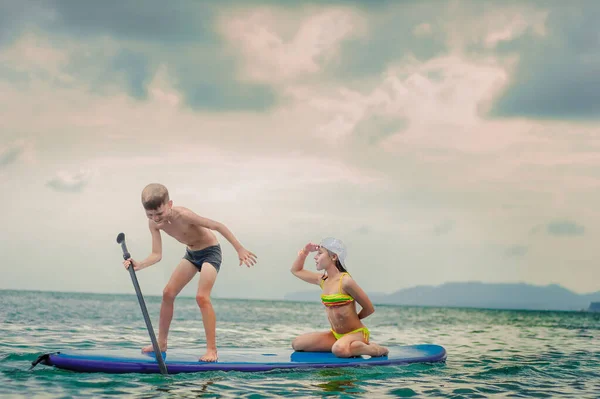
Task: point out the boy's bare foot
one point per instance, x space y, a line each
209 356
150 348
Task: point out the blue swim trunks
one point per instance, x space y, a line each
210 255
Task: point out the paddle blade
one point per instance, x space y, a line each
121 241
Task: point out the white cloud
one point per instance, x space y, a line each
279 45
36 55
504 27
465 27
70 182
441 100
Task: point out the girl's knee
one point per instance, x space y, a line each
296 344
299 344
341 350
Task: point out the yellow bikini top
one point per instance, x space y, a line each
338 299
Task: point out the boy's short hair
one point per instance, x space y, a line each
154 195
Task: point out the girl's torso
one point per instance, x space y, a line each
339 306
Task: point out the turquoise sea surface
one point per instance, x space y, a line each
491 353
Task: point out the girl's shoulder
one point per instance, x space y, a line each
347 280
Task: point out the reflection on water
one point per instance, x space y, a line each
337 380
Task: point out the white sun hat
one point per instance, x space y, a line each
337 247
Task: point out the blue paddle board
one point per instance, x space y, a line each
230 359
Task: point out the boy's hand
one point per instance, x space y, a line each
128 262
246 257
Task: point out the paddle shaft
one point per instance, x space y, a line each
161 362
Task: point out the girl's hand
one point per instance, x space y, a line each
310 247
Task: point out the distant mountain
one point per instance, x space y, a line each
478 295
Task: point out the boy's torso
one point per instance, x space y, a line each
194 236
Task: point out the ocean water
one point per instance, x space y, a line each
491 353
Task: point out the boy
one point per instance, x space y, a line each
203 255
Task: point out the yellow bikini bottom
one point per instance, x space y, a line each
364 330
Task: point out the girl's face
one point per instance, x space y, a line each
323 260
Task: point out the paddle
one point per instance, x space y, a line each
161 362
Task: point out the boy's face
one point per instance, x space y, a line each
161 214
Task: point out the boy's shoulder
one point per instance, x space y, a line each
183 211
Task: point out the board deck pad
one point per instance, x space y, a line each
230 359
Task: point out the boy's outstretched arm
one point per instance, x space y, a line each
156 254
246 257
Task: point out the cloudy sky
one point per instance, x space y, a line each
441 140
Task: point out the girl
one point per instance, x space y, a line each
348 336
